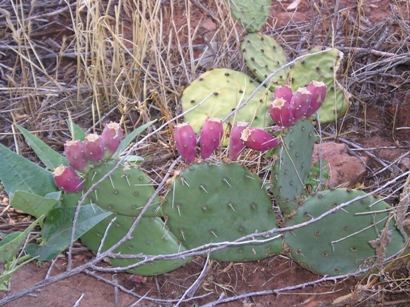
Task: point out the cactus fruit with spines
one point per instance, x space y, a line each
258 139
263 55
221 91
75 154
124 192
218 203
211 136
318 92
341 243
66 179
300 102
236 144
281 113
151 237
292 167
93 148
111 137
251 14
185 141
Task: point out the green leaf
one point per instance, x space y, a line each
11 244
19 173
56 232
10 237
54 195
130 137
46 154
33 204
76 132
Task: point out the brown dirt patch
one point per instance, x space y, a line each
228 278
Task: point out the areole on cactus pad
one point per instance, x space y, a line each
219 203
124 192
345 241
219 92
151 237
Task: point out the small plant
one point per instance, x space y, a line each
205 195
209 202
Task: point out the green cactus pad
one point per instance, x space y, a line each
214 203
227 89
251 14
292 167
151 237
322 67
340 242
263 55
124 192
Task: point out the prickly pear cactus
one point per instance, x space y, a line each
322 67
226 89
125 191
151 237
251 14
292 167
217 203
263 55
341 243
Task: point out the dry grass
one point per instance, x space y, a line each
125 60
129 60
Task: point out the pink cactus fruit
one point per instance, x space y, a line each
185 141
281 112
236 145
74 151
318 91
300 103
112 136
211 135
285 92
259 139
93 148
66 179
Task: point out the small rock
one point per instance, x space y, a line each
344 170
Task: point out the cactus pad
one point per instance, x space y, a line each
218 203
263 55
251 14
322 67
340 243
293 165
125 191
226 90
151 237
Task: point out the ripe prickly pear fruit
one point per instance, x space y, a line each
93 148
281 112
74 151
285 92
236 145
211 135
67 180
318 91
111 137
185 141
259 139
300 103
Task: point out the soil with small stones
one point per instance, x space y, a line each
227 278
